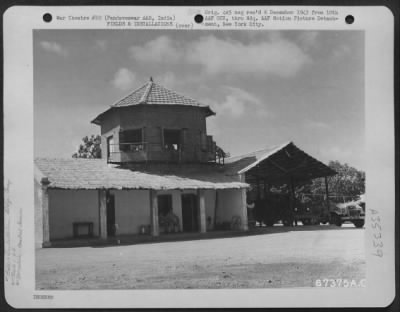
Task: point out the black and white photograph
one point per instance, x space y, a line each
203 159
210 159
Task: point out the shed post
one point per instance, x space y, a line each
154 213
244 225
45 212
292 202
103 213
292 192
266 188
202 211
326 192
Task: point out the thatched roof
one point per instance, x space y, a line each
96 174
278 164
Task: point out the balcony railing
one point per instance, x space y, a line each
131 147
144 151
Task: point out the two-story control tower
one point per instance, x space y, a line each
155 124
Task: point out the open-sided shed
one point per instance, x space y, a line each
282 164
279 164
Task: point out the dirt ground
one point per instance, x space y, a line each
294 258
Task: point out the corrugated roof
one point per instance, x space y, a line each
244 162
278 163
96 174
152 93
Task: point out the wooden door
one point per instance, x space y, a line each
190 218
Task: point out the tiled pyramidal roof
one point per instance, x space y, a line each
153 93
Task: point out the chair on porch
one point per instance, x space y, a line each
170 222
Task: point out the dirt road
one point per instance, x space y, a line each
294 258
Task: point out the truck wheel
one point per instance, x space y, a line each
358 223
269 222
336 220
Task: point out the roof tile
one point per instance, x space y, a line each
153 93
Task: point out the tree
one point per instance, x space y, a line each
90 148
347 182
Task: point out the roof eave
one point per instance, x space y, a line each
265 156
210 112
98 119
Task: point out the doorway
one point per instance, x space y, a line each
111 230
164 205
190 219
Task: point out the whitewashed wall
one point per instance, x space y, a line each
68 206
38 215
132 209
229 204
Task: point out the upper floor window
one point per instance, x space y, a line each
172 139
131 140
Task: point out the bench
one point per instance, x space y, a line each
83 229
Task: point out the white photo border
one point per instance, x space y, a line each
378 24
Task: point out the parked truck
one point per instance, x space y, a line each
351 211
309 210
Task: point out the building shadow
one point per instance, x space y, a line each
136 239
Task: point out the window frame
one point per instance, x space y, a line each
134 146
179 136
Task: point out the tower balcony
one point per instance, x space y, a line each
137 152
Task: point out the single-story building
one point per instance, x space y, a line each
88 197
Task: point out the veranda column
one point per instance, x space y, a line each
244 225
202 211
45 212
154 213
103 213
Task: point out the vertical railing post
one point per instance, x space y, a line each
326 192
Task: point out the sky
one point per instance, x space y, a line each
266 87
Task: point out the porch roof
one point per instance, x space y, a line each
278 164
96 174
